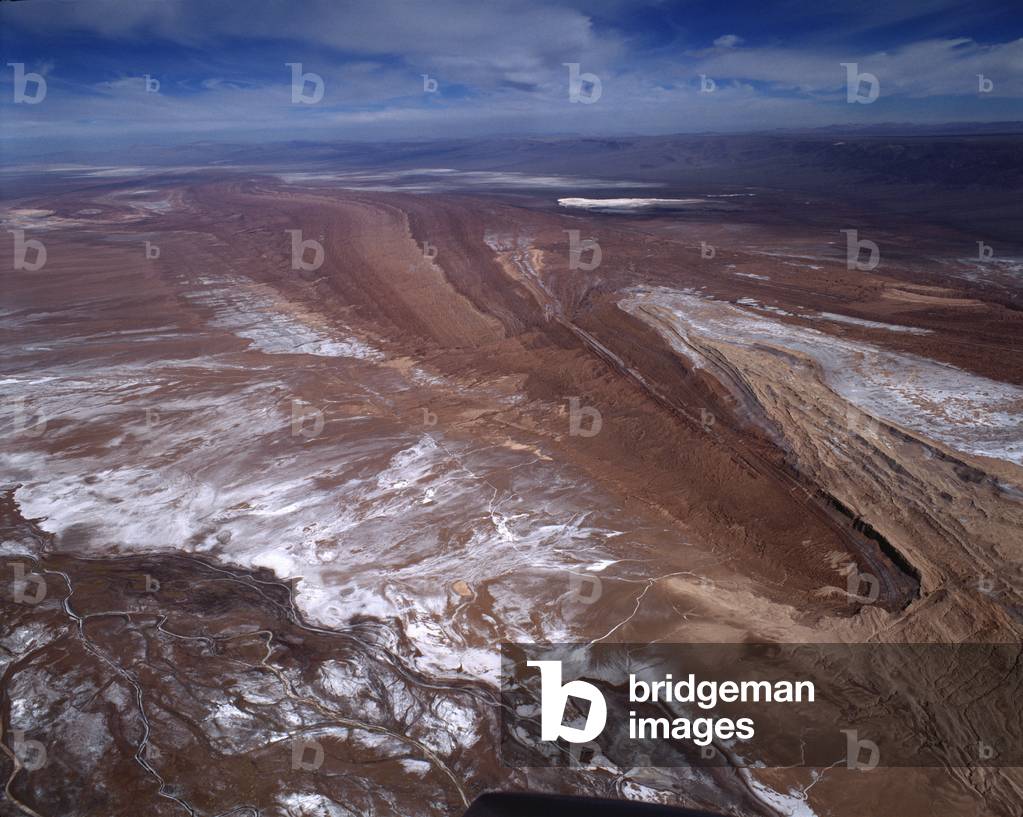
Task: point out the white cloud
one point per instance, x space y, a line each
922 69
493 41
728 41
499 65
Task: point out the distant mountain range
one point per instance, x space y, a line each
976 156
969 176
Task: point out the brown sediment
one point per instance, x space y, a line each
932 296
725 486
194 686
197 687
758 488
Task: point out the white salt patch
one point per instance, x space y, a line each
441 178
311 805
252 315
627 205
278 562
418 768
793 804
891 327
965 411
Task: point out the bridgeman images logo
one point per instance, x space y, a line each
554 698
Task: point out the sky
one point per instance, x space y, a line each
156 72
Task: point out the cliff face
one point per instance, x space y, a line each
911 473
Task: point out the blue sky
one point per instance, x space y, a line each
499 67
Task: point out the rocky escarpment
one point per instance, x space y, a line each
950 517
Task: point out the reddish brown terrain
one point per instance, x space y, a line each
268 505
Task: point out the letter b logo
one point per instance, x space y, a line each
576 413
298 755
22 245
22 594
853 245
22 78
577 247
854 580
298 85
584 87
300 412
298 250
854 82
553 699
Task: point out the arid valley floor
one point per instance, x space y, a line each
252 500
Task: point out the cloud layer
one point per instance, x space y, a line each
497 67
